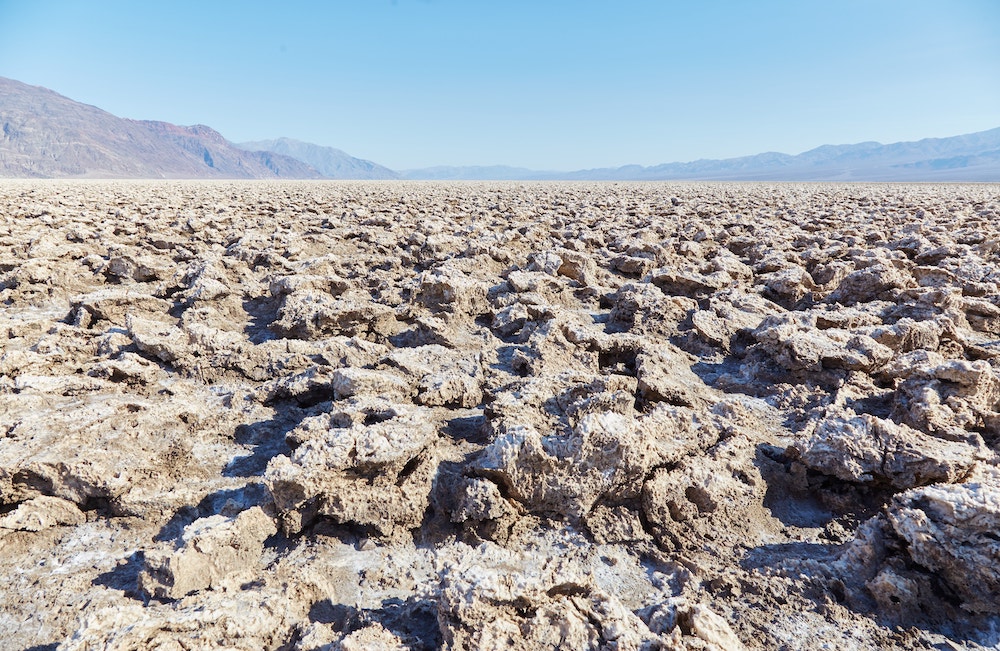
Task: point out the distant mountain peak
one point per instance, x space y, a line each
330 162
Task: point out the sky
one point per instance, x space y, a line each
543 84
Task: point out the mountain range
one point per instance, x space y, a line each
46 135
973 157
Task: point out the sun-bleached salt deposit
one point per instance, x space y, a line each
314 415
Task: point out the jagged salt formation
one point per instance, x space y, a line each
343 416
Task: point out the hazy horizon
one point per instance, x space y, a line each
553 86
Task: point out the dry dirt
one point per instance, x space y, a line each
499 416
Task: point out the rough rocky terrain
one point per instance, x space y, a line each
312 416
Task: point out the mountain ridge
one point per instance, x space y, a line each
973 157
332 163
46 135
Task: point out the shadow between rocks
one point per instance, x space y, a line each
267 439
413 620
262 312
124 577
774 555
800 497
710 372
229 501
785 497
470 428
819 583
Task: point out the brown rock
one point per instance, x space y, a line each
213 551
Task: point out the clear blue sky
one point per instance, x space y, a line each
560 84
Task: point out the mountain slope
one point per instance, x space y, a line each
46 135
331 163
969 157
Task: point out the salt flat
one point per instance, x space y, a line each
325 415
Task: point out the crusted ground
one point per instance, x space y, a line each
315 416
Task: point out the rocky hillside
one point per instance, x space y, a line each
46 135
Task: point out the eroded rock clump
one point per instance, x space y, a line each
499 416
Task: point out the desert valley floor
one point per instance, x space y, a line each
336 415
